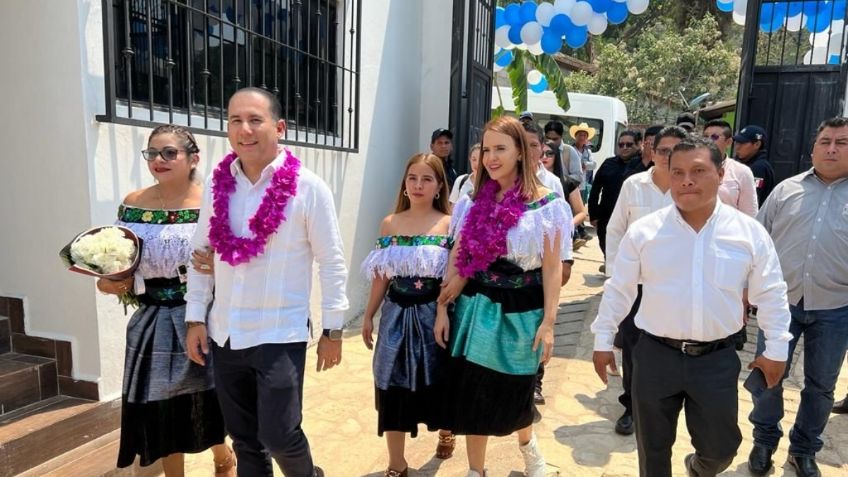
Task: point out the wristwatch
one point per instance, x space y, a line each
334 335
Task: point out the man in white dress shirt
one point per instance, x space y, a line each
259 324
641 194
693 260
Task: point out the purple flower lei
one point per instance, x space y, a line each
486 226
235 250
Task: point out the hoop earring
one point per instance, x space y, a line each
437 196
405 193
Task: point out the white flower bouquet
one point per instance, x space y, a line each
112 252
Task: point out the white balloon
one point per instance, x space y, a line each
533 77
836 46
637 7
531 33
544 12
740 7
598 24
564 6
816 56
502 37
581 13
738 18
795 23
536 49
831 33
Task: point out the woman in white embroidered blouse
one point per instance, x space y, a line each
406 270
169 406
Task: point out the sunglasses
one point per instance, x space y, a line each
626 144
167 153
714 137
549 153
663 151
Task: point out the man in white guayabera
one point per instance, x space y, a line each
267 219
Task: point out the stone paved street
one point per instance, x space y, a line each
575 432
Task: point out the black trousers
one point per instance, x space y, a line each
665 381
260 390
626 339
601 230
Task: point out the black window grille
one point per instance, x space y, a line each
179 61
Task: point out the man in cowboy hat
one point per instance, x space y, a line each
582 134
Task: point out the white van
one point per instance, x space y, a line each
606 114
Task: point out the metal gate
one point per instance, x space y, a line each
473 43
790 81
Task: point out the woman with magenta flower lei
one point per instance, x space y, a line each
504 275
406 268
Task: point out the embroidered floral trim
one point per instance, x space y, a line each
237 250
485 229
443 241
137 215
538 204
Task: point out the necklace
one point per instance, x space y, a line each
236 250
486 226
162 198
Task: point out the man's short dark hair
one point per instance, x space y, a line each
834 122
726 129
555 126
629 132
653 130
670 131
534 128
691 143
275 107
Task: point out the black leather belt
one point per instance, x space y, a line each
693 348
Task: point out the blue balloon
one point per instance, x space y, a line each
617 13
504 58
561 24
818 23
724 6
551 41
515 34
512 14
839 10
833 60
794 8
811 8
772 16
500 18
600 6
577 37
528 12
540 87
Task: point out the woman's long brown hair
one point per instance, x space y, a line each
440 202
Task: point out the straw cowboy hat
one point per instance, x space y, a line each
573 130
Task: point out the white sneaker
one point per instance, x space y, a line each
534 463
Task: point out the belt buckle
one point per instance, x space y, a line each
683 346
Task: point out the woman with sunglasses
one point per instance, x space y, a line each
169 406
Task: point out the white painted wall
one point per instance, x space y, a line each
62 162
44 194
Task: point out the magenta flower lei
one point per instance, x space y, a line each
235 250
486 226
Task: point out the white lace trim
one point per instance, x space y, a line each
526 241
406 261
166 247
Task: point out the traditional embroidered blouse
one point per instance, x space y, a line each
408 256
167 240
544 218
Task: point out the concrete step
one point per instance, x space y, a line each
42 431
25 380
96 458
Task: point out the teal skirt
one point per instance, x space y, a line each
493 367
